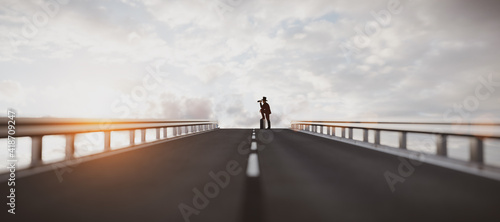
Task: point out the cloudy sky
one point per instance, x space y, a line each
213 59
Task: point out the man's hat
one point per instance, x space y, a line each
264 98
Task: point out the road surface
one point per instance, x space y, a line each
302 178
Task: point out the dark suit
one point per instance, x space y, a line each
265 109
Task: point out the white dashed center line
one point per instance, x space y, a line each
253 165
253 146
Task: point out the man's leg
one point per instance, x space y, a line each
262 113
268 121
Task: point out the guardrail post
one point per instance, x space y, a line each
143 135
350 133
36 151
157 133
328 130
441 145
70 146
165 130
365 135
342 129
107 140
131 136
476 150
174 131
402 140
333 130
321 129
377 137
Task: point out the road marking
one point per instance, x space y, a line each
253 136
253 165
253 146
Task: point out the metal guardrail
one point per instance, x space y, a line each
476 140
36 128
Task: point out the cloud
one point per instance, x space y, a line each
172 107
12 92
217 63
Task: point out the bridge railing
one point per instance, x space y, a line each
476 148
37 128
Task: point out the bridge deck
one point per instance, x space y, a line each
302 178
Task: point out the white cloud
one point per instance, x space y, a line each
217 63
12 92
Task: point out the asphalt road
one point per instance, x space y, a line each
203 178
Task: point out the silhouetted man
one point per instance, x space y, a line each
265 110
